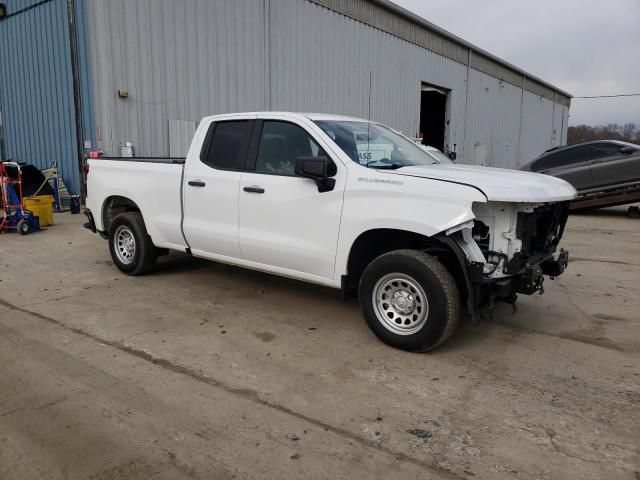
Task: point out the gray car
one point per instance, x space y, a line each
593 166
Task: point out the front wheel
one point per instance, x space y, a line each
130 245
410 300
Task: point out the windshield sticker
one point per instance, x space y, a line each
368 156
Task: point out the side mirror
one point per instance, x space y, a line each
453 156
318 169
627 150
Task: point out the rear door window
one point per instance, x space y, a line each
228 143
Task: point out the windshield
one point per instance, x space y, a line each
372 145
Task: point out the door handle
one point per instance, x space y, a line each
196 183
254 189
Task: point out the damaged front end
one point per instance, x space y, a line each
508 249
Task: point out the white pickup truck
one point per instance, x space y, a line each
313 197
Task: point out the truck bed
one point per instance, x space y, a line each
154 184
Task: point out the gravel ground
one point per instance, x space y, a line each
206 371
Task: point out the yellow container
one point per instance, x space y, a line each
41 206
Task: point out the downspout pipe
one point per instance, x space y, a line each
75 74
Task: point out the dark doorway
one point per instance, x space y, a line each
433 110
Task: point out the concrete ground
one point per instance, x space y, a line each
206 371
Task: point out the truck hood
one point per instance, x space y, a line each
497 184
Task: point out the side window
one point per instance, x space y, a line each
228 144
550 161
563 158
281 143
588 152
602 150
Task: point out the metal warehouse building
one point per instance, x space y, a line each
84 74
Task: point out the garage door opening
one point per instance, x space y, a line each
433 112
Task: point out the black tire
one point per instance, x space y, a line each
422 328
23 227
130 226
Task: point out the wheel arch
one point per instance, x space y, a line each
113 205
374 242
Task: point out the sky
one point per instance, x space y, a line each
584 47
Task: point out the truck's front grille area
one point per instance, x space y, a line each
540 232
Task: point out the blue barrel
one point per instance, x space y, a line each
75 204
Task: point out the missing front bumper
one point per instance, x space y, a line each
482 290
531 279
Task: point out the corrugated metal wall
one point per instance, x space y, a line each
180 134
181 61
177 61
320 61
493 120
556 133
36 88
84 70
537 126
565 123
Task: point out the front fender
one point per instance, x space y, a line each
417 205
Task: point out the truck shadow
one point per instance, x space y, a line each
217 274
282 294
179 263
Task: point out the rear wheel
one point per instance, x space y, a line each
130 245
409 300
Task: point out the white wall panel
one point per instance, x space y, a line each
493 122
565 125
180 135
537 126
558 126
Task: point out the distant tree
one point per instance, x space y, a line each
629 132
